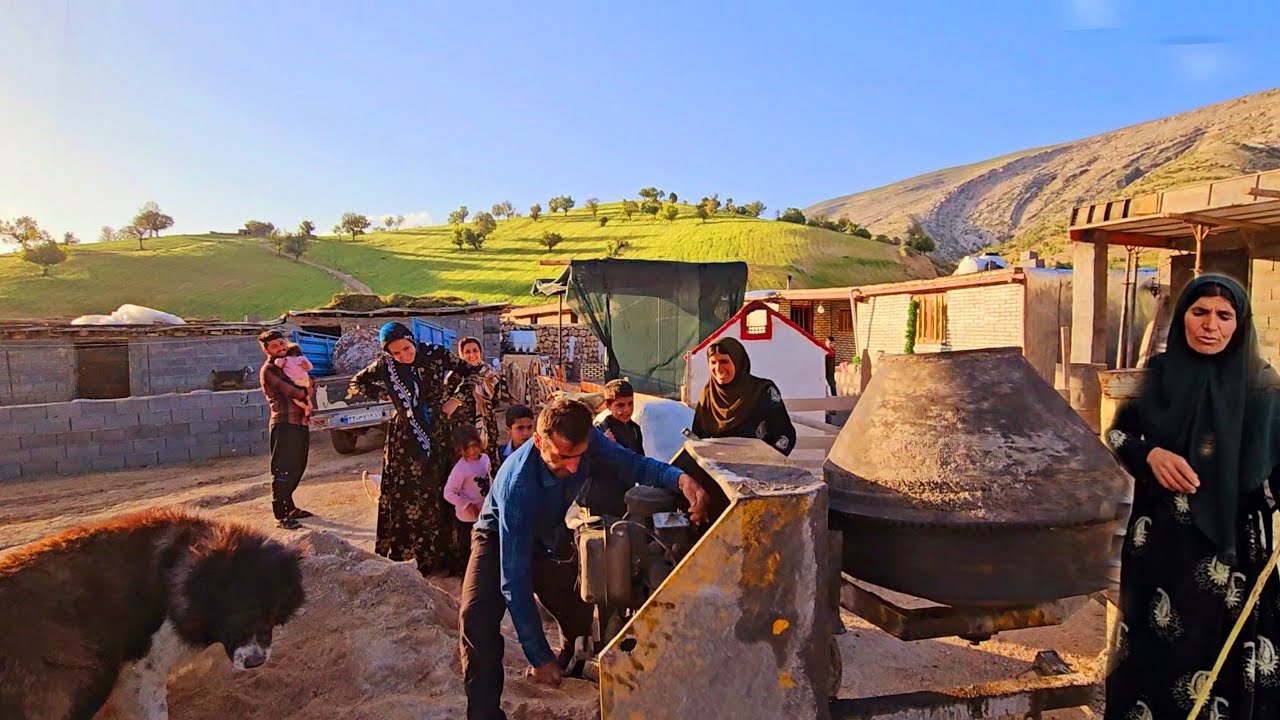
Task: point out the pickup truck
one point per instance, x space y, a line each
345 418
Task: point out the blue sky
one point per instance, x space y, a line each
225 111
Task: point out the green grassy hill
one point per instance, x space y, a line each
425 260
193 277
198 276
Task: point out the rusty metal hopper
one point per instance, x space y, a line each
964 478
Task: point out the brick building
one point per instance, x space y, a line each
821 312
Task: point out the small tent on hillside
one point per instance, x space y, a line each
780 350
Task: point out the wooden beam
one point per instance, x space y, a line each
1263 193
1137 239
1202 219
554 262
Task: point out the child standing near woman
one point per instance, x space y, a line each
468 482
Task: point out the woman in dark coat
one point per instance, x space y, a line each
414 520
1201 445
482 390
736 403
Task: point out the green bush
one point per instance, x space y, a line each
913 315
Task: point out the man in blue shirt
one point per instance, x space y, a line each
520 548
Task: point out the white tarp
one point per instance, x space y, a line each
130 315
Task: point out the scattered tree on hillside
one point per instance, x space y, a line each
792 215
604 219
485 224
297 246
307 229
132 232
46 254
882 238
460 235
399 221
712 204
150 219
918 239
24 231
106 234
459 216
563 203
671 197
616 246
353 224
701 212
551 240
846 225
630 207
824 222
69 238
535 211
259 229
277 238
670 211
475 239
652 193
753 209
729 207
592 204
651 207
862 233
504 209
388 221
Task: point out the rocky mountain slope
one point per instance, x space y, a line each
1022 201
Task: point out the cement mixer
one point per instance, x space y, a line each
964 478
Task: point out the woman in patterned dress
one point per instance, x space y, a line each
483 391
1201 445
735 403
414 520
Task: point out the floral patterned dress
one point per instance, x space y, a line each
483 390
1179 602
415 522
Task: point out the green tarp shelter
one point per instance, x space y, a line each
648 313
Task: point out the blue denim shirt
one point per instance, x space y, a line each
527 505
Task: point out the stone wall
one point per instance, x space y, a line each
94 435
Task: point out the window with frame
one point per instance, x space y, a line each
802 316
756 325
844 320
931 319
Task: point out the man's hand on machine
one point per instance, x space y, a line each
697 498
548 674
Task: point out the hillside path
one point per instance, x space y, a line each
352 284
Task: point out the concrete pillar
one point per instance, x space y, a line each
1089 300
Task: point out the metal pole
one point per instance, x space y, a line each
560 335
1200 232
1122 344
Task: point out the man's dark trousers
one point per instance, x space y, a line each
482 608
290 445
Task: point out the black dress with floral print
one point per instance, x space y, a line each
483 391
415 522
1179 601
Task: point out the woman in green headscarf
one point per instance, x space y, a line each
1201 444
736 403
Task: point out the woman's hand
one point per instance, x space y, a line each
450 406
1172 471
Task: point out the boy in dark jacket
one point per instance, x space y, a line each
620 398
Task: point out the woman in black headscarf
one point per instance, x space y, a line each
414 520
736 403
1201 444
483 390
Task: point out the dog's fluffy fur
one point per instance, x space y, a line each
125 600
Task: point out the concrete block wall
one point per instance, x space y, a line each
82 436
985 317
168 365
1264 289
37 372
882 324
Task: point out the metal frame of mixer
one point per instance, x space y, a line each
1054 687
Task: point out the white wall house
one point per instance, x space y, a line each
779 349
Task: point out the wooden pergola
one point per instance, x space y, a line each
1219 226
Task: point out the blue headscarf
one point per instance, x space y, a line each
404 382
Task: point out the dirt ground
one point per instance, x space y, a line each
377 641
